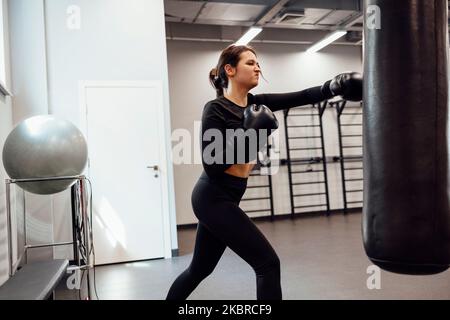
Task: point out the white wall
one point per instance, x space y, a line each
5 128
286 68
28 59
117 40
30 98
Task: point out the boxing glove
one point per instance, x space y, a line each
347 85
259 117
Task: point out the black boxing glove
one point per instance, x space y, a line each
347 85
259 117
256 117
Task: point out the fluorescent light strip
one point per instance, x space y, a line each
326 41
248 36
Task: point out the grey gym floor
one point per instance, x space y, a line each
321 258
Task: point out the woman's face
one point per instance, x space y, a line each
247 71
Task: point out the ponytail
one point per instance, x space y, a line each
216 82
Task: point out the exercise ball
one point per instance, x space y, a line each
43 147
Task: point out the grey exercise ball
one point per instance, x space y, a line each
43 147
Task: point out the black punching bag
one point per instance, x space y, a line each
406 216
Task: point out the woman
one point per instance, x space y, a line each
216 196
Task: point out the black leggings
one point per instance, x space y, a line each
223 224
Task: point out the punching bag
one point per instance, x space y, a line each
406 215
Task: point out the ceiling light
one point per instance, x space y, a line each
248 36
326 41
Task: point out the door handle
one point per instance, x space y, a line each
155 168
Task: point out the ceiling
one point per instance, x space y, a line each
284 21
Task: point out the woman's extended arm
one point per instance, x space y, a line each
347 85
279 101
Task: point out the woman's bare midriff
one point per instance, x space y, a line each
240 170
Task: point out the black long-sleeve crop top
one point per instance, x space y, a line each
221 114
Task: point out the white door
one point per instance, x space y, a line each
123 142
